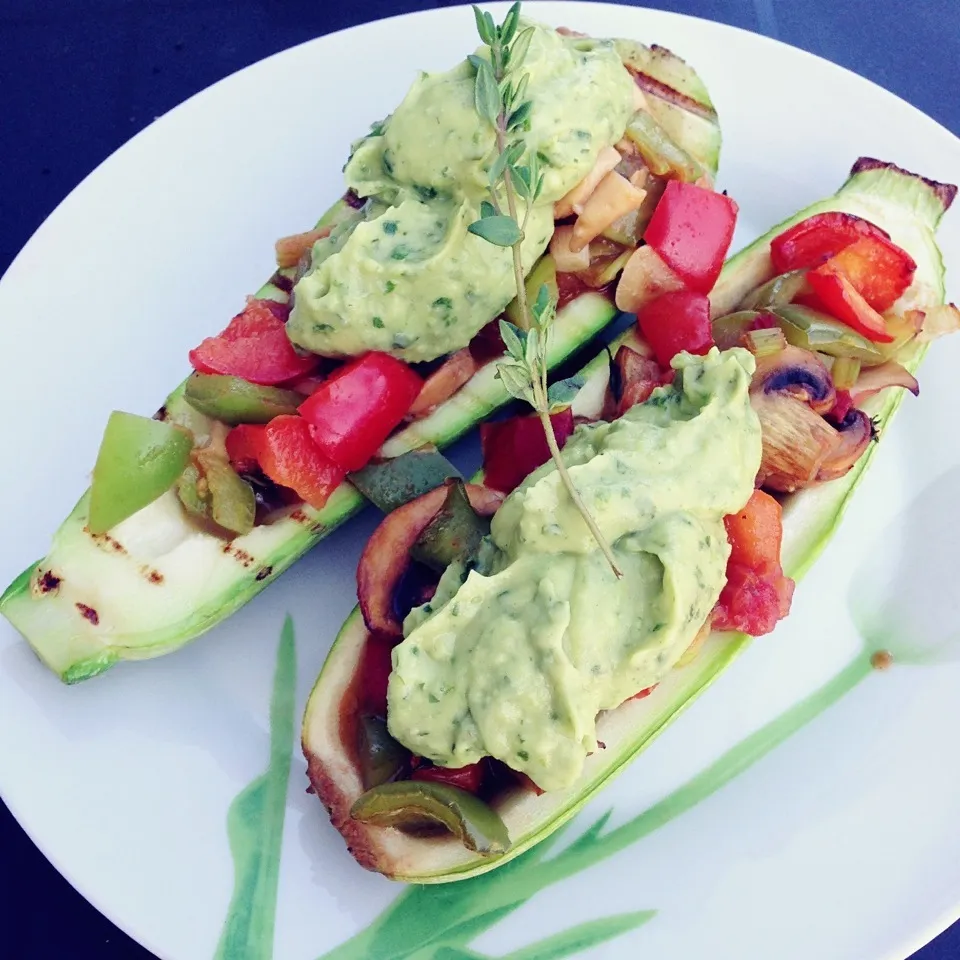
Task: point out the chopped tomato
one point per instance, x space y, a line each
289 456
514 448
839 297
675 322
469 778
755 533
244 444
353 411
254 346
879 270
816 239
757 594
691 228
753 600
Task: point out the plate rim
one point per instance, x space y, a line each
947 916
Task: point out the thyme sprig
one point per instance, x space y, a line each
515 179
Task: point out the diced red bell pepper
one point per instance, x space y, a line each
756 594
878 269
841 406
306 385
244 444
644 693
692 228
675 322
513 449
814 240
289 456
836 294
353 411
756 532
753 600
254 346
469 778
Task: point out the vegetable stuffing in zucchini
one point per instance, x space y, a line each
376 337
717 459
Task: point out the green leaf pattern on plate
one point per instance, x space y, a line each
255 826
440 922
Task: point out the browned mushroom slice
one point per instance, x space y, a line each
796 441
387 554
855 432
444 382
794 372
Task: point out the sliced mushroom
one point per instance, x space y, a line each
387 554
645 277
855 432
444 382
633 377
797 373
796 441
614 197
566 258
573 201
790 390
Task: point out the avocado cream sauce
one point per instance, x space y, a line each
515 662
405 276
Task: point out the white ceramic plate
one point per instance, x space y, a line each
841 843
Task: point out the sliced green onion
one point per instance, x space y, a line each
765 343
845 372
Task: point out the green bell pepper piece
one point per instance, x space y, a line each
234 400
381 758
418 805
454 533
660 153
813 330
139 460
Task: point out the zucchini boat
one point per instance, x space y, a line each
346 759
159 579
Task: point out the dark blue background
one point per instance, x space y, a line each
80 77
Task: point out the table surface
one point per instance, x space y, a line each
80 77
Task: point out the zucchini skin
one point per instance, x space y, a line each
77 647
910 208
